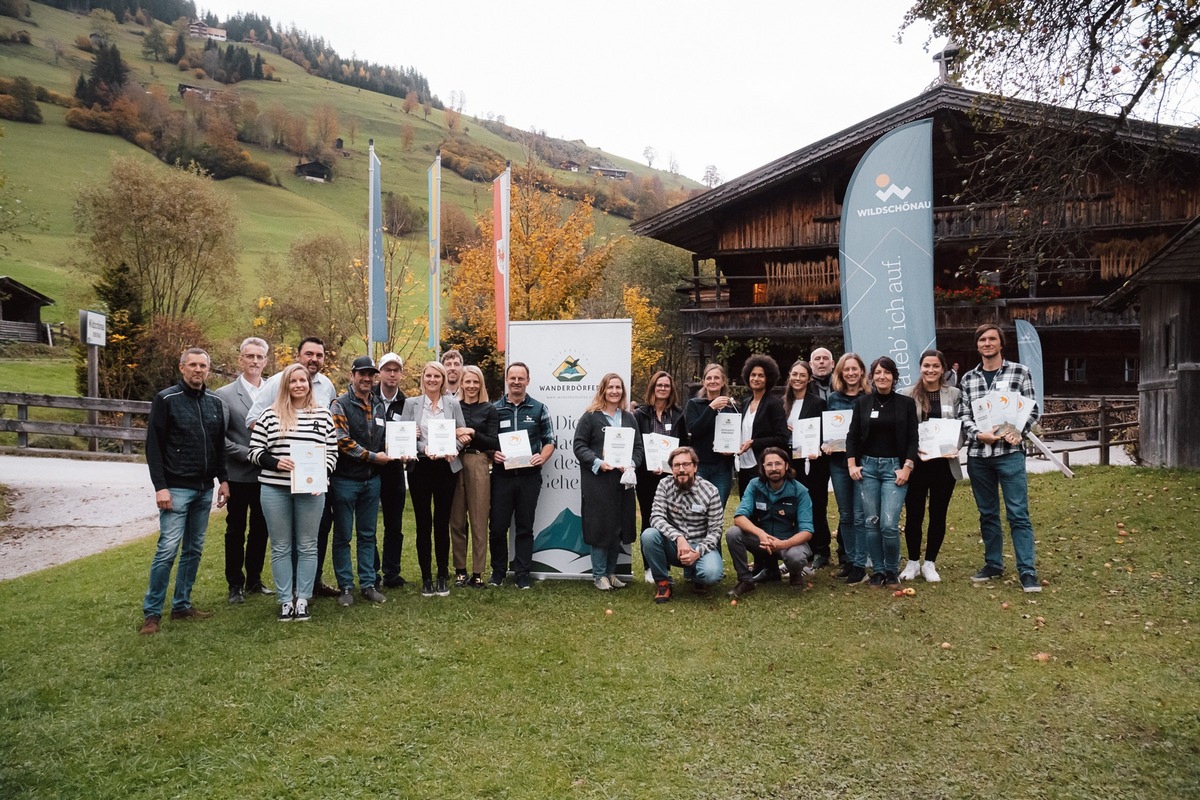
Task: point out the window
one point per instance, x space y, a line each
760 294
1131 369
1171 343
1074 369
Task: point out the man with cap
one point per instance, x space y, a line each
391 475
358 422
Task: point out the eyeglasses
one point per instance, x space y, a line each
684 465
251 357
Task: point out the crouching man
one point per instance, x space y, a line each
686 520
774 520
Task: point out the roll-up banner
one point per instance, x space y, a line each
1029 351
566 359
886 251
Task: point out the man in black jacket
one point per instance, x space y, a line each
185 450
391 475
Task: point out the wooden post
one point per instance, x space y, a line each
127 422
1102 414
22 436
93 391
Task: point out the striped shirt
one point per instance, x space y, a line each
268 443
1011 377
697 515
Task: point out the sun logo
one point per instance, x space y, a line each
887 189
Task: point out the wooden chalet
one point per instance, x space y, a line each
772 235
314 171
1167 289
21 312
615 173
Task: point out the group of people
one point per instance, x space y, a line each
245 437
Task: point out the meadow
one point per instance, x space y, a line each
497 693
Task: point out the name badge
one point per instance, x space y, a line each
504 423
874 415
697 508
378 421
947 411
761 506
667 427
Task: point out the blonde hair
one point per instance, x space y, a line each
599 402
441 370
478 373
839 383
724 379
283 408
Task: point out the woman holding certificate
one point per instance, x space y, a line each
803 410
764 423
881 449
294 443
473 497
935 473
432 479
713 425
849 382
661 419
609 448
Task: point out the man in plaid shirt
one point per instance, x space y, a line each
996 460
687 518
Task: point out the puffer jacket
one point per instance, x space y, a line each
185 439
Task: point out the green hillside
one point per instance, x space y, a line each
52 160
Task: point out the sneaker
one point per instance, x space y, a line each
700 589
460 580
497 579
190 613
986 574
442 587
616 582
856 575
769 575
845 570
1030 583
150 625
286 612
301 611
325 590
800 579
744 587
393 581
523 582
662 592
891 580
910 571
603 584
374 595
346 598
876 580
235 596
476 582
258 588
426 588
820 562
649 576
929 573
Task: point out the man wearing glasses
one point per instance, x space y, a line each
686 522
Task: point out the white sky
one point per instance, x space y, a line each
731 84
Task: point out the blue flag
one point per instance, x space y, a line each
378 322
886 251
1029 352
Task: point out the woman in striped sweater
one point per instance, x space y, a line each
292 519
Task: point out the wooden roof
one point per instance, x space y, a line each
691 225
8 286
1177 262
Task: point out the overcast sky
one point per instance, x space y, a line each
730 84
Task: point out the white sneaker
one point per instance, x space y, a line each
911 570
286 611
649 577
302 611
616 582
603 585
929 572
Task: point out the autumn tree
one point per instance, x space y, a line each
407 134
453 119
154 43
411 101
174 230
650 154
325 124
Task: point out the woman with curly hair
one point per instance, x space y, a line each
764 423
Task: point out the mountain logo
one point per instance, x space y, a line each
888 190
570 370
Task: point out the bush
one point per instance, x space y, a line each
92 120
10 108
84 43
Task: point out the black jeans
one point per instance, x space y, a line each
391 500
932 479
514 492
323 532
817 483
240 550
432 484
647 487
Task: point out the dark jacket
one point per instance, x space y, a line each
359 436
700 421
607 507
770 426
185 439
672 418
905 428
485 420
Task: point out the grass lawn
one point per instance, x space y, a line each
834 692
52 373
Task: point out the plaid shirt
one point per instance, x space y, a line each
696 515
1012 377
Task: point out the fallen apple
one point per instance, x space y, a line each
608 612
733 602
909 591
898 593
1042 657
1006 605
946 645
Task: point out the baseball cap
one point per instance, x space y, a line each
363 364
389 358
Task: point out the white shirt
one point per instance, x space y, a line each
323 392
250 388
747 460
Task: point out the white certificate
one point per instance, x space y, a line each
982 411
401 439
309 474
618 445
441 441
806 437
515 446
835 427
727 433
938 438
658 449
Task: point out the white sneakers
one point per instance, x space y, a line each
929 572
911 570
602 584
616 582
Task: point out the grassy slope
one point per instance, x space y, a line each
831 693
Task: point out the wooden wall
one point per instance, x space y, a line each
1170 396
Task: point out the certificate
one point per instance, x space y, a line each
658 449
441 441
806 437
1015 410
982 413
835 427
401 439
727 433
618 445
309 473
938 438
515 447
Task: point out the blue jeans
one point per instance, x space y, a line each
604 560
185 523
292 521
660 554
355 507
851 528
795 557
882 501
988 477
720 475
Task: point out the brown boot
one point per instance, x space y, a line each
150 625
190 613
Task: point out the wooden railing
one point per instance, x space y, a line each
1100 417
123 431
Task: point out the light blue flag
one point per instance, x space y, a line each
1029 352
378 322
435 253
886 251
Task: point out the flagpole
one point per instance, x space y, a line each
435 254
377 324
508 257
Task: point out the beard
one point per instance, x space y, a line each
686 482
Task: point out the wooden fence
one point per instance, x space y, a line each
1090 423
122 411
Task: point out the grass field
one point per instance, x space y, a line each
833 692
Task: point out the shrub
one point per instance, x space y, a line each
9 108
84 43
